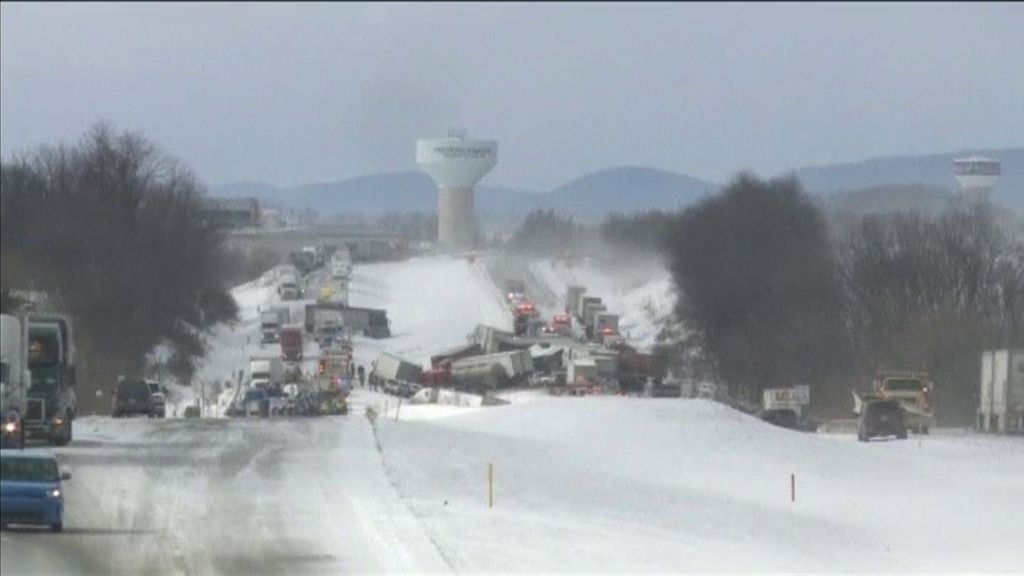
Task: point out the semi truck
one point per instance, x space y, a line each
15 379
52 403
270 324
606 325
572 298
289 288
1001 407
291 343
328 327
581 306
590 313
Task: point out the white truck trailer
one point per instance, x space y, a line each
493 370
1001 407
15 379
572 297
266 372
391 367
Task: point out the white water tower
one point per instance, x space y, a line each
456 164
976 176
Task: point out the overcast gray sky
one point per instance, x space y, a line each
289 94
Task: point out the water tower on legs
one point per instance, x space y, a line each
976 176
456 164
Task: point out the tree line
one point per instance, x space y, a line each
770 298
112 231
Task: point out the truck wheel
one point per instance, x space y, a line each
924 430
902 435
59 526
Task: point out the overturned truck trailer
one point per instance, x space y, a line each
492 371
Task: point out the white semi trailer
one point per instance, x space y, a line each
1001 407
15 379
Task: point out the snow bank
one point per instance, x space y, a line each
613 483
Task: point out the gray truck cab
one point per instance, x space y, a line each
52 402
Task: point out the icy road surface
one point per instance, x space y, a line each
225 496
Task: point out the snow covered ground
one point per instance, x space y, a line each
615 483
433 304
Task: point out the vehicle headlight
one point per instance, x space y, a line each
58 420
55 493
10 427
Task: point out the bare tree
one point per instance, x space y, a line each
932 294
112 230
759 285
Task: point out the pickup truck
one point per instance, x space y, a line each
912 390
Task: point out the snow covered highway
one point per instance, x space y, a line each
225 496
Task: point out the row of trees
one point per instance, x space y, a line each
768 297
547 232
112 231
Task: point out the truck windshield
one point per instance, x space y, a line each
44 347
904 385
138 390
3 373
18 469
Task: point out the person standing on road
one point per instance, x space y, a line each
362 376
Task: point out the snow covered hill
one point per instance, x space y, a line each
433 303
611 484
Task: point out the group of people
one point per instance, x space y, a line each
357 373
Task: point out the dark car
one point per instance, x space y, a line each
30 489
784 417
881 418
133 397
157 398
788 418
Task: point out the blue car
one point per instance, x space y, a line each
30 489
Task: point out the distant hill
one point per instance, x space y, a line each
627 189
915 179
934 170
620 189
928 200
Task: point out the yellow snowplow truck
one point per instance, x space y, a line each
913 390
